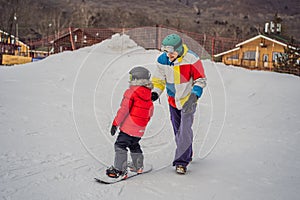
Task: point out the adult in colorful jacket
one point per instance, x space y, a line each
181 72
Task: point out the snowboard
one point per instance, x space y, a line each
103 178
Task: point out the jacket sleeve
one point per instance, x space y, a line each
125 108
151 111
159 78
199 78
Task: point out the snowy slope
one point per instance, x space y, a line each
55 117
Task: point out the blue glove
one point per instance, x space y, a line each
188 106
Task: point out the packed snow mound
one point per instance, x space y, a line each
121 42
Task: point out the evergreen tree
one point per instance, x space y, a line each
289 60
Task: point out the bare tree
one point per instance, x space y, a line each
196 8
58 21
9 15
82 15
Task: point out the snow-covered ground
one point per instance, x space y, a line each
55 117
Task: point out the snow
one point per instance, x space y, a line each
55 117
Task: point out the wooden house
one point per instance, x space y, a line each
12 50
77 38
259 52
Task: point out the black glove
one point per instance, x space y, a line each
188 106
154 96
113 130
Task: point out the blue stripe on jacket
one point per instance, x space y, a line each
197 90
171 89
164 60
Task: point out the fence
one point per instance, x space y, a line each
204 45
270 66
150 38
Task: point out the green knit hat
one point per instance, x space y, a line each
173 40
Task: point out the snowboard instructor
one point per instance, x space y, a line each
181 72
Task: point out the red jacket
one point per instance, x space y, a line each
135 111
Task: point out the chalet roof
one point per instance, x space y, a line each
89 32
279 39
283 39
67 32
261 36
12 36
226 52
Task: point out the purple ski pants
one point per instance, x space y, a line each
182 125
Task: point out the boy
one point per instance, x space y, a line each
134 113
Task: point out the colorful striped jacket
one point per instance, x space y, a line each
181 78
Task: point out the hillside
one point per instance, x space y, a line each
230 18
55 117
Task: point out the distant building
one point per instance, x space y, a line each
78 38
12 50
259 52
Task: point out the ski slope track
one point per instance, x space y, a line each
55 117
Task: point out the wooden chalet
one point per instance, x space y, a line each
12 50
259 52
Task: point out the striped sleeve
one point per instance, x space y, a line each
199 78
159 80
198 74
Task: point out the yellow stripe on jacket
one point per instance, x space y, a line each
159 83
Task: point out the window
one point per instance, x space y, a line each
249 55
265 57
233 57
278 56
75 38
275 56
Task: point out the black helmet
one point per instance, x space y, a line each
137 73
